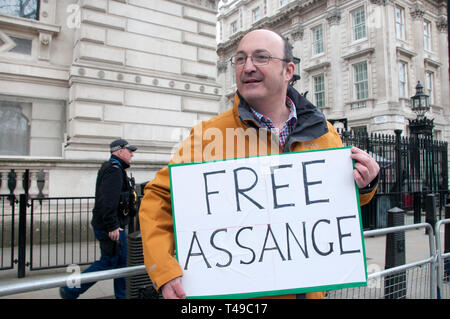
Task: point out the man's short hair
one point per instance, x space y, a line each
288 55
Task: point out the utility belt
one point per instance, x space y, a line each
128 203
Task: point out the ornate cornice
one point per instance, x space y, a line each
297 33
381 2
417 11
442 24
334 16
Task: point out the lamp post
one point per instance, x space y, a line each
421 126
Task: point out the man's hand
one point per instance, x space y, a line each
173 289
366 168
114 235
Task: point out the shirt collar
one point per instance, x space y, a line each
292 119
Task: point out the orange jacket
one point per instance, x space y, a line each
231 134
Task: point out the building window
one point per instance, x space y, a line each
28 9
400 23
317 40
319 90
429 86
23 46
427 35
14 130
358 24
31 127
402 78
9 43
256 13
361 81
233 27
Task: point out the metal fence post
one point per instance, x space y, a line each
398 167
395 285
22 234
430 208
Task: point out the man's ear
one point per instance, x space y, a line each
289 71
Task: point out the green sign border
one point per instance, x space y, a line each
269 293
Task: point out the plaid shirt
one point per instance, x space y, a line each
288 126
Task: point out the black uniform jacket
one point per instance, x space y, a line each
111 182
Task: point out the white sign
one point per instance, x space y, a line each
268 225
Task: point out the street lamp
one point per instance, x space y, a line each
296 75
420 102
420 105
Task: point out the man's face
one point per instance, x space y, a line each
125 154
264 83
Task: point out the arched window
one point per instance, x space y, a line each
14 130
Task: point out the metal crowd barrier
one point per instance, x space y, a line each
443 263
434 282
21 286
397 277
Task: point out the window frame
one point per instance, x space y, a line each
400 24
321 94
357 83
37 18
24 110
233 27
317 43
429 86
255 17
427 43
403 83
362 25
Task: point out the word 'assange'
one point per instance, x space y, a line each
279 239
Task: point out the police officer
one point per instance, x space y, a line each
114 203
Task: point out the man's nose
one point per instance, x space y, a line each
248 65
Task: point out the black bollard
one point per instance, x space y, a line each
395 285
417 202
139 286
430 211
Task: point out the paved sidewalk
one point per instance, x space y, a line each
416 241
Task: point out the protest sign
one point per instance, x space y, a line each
268 225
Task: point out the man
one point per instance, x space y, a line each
114 203
266 107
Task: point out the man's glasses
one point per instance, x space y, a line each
258 59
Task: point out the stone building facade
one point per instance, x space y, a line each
81 73
360 60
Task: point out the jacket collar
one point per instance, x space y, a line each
311 122
122 164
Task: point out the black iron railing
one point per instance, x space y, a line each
411 168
